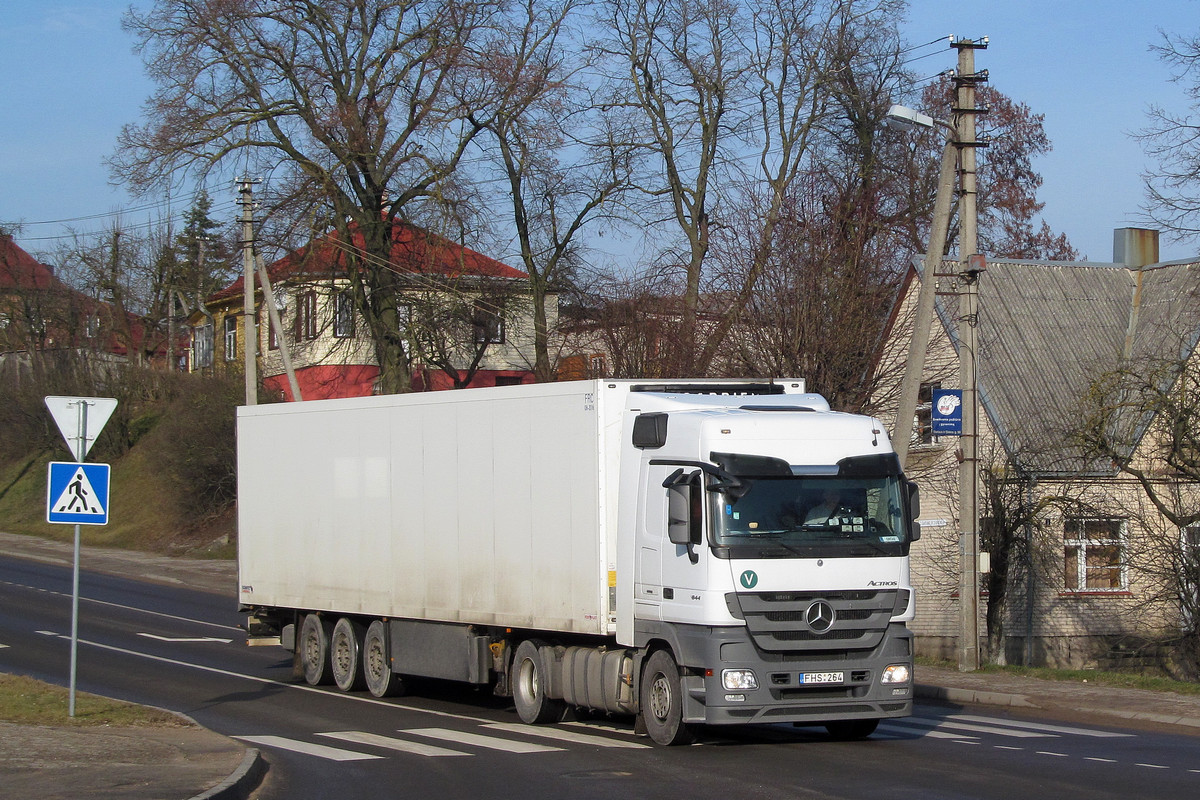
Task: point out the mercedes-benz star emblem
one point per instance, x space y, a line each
820 617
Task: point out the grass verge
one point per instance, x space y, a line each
25 701
1122 680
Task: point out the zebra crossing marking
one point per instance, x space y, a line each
308 748
478 740
392 743
557 734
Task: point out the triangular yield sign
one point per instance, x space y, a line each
67 413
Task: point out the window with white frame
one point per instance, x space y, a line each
1190 564
231 324
202 346
343 315
1094 554
488 321
306 316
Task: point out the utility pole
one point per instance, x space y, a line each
970 266
249 335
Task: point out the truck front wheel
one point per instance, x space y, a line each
529 683
314 650
662 701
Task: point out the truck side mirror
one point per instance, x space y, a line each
679 516
914 508
683 514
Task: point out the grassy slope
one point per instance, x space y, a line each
144 513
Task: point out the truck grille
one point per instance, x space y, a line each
810 621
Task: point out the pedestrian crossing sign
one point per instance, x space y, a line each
77 494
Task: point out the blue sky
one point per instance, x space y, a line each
70 81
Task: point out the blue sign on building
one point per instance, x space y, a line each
947 412
77 494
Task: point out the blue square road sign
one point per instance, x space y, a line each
77 494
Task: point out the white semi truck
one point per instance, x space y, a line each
702 552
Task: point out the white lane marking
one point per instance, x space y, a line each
307 748
2 646
476 740
1152 766
1048 753
266 681
184 639
1101 760
391 743
1038 726
939 723
625 730
560 735
922 731
131 608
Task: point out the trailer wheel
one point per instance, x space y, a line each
662 701
345 654
314 650
529 682
377 663
848 730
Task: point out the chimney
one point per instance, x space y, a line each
1135 247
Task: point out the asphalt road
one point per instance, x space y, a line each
180 649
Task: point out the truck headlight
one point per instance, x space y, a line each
740 679
896 673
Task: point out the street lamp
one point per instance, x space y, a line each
907 119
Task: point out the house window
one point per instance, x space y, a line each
306 316
1190 573
343 315
1094 554
923 421
202 347
92 329
488 322
597 366
231 324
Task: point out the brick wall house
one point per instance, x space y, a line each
1076 584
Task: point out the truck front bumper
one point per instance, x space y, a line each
809 688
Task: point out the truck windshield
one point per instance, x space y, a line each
813 516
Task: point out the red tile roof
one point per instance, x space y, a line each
414 251
19 270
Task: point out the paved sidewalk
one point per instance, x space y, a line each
191 762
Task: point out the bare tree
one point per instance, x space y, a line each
735 100
563 159
1144 419
360 109
1172 141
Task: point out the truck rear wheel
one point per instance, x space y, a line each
345 654
377 663
314 650
529 682
662 701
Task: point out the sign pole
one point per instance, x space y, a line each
71 416
80 448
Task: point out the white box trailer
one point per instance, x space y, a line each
592 544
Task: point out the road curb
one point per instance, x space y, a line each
972 696
241 781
